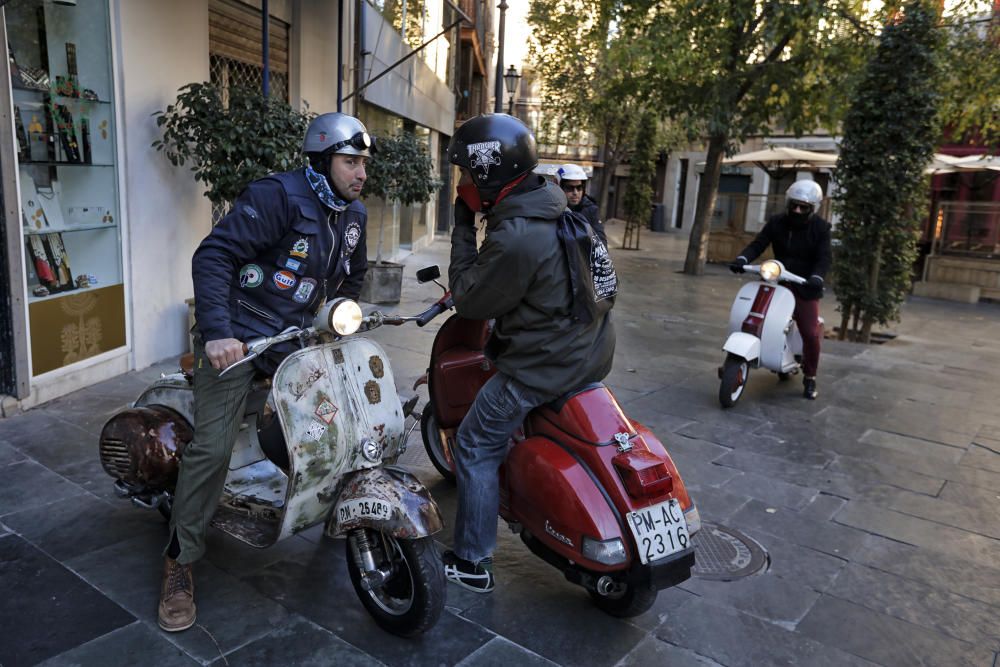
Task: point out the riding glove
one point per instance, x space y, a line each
815 281
736 266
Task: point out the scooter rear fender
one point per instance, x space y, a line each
743 345
388 499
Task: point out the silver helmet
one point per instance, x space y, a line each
337 133
807 191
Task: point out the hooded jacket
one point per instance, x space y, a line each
588 206
804 249
520 278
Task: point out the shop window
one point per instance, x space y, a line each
64 116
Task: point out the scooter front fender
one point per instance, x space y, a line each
388 499
743 345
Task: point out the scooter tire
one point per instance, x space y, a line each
735 373
431 436
636 599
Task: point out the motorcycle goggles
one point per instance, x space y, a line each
796 206
572 188
360 141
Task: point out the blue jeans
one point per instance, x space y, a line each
482 442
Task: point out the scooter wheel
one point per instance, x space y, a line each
735 373
431 435
410 601
633 599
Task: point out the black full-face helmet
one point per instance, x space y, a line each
496 149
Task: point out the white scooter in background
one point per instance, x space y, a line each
762 332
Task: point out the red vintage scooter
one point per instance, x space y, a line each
588 490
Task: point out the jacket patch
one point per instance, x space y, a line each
284 280
305 290
251 275
249 212
300 248
292 264
352 235
484 154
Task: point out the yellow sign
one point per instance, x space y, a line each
67 329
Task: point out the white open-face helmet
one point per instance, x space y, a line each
337 133
807 191
571 172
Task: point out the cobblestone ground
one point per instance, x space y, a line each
878 504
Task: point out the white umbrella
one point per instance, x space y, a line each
784 158
978 163
942 164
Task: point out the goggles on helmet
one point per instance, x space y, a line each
361 141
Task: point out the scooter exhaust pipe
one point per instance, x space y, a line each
605 586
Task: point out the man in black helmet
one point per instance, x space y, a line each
290 241
519 277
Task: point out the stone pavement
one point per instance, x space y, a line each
879 506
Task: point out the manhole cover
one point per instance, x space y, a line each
724 554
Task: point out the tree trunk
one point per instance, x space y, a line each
873 275
697 252
607 172
845 321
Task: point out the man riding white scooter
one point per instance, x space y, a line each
800 240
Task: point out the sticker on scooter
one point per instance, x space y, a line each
316 430
326 410
364 508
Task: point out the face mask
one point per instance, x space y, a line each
470 195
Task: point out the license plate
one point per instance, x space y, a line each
659 530
368 508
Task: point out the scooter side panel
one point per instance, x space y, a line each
773 338
741 305
330 399
172 391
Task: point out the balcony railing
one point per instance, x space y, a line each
971 229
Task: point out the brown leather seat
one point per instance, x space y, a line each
187 364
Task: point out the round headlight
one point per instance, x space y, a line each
346 317
770 270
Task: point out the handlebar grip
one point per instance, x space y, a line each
435 310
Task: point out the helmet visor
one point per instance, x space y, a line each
798 206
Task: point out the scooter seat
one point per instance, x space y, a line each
558 404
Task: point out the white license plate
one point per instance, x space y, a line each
659 530
368 508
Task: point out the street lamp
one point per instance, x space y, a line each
510 80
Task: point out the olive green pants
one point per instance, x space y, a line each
219 403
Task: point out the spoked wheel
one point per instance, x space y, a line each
431 435
405 594
735 373
626 600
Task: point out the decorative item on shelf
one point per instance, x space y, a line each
88 94
73 80
67 132
40 290
83 280
86 215
85 134
60 261
66 87
31 206
48 199
23 152
108 218
32 78
42 261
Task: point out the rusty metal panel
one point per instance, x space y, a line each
331 403
172 391
388 498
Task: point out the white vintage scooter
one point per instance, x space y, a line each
762 332
318 445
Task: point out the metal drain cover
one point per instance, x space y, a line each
724 554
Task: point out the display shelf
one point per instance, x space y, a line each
79 290
60 163
74 228
68 98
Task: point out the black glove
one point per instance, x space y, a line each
463 214
815 282
736 266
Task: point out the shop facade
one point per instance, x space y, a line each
98 228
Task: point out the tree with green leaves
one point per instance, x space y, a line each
889 137
729 70
642 170
231 143
400 172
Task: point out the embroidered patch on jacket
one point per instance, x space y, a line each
293 264
352 235
300 248
305 290
483 155
251 275
284 280
249 212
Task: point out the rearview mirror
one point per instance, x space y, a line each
428 273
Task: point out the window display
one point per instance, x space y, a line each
60 71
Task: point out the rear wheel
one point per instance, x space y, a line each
431 435
410 598
627 600
735 373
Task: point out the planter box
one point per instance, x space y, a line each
383 283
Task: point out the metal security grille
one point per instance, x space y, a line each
226 72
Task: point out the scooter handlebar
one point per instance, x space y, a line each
444 304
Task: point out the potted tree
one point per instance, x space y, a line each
401 173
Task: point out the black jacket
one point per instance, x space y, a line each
803 249
268 264
588 206
520 277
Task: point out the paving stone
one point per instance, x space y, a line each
693 448
8 454
47 609
715 504
746 641
875 472
970 496
230 613
910 445
771 491
765 596
655 651
48 439
667 602
302 643
980 519
498 652
949 614
938 570
799 564
919 532
822 507
133 644
884 639
27 484
78 525
828 537
983 454
317 586
697 472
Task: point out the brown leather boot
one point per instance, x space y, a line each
177 610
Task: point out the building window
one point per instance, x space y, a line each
236 45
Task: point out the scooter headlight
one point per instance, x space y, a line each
341 316
609 552
770 270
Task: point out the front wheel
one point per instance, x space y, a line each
735 373
627 599
405 593
431 435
